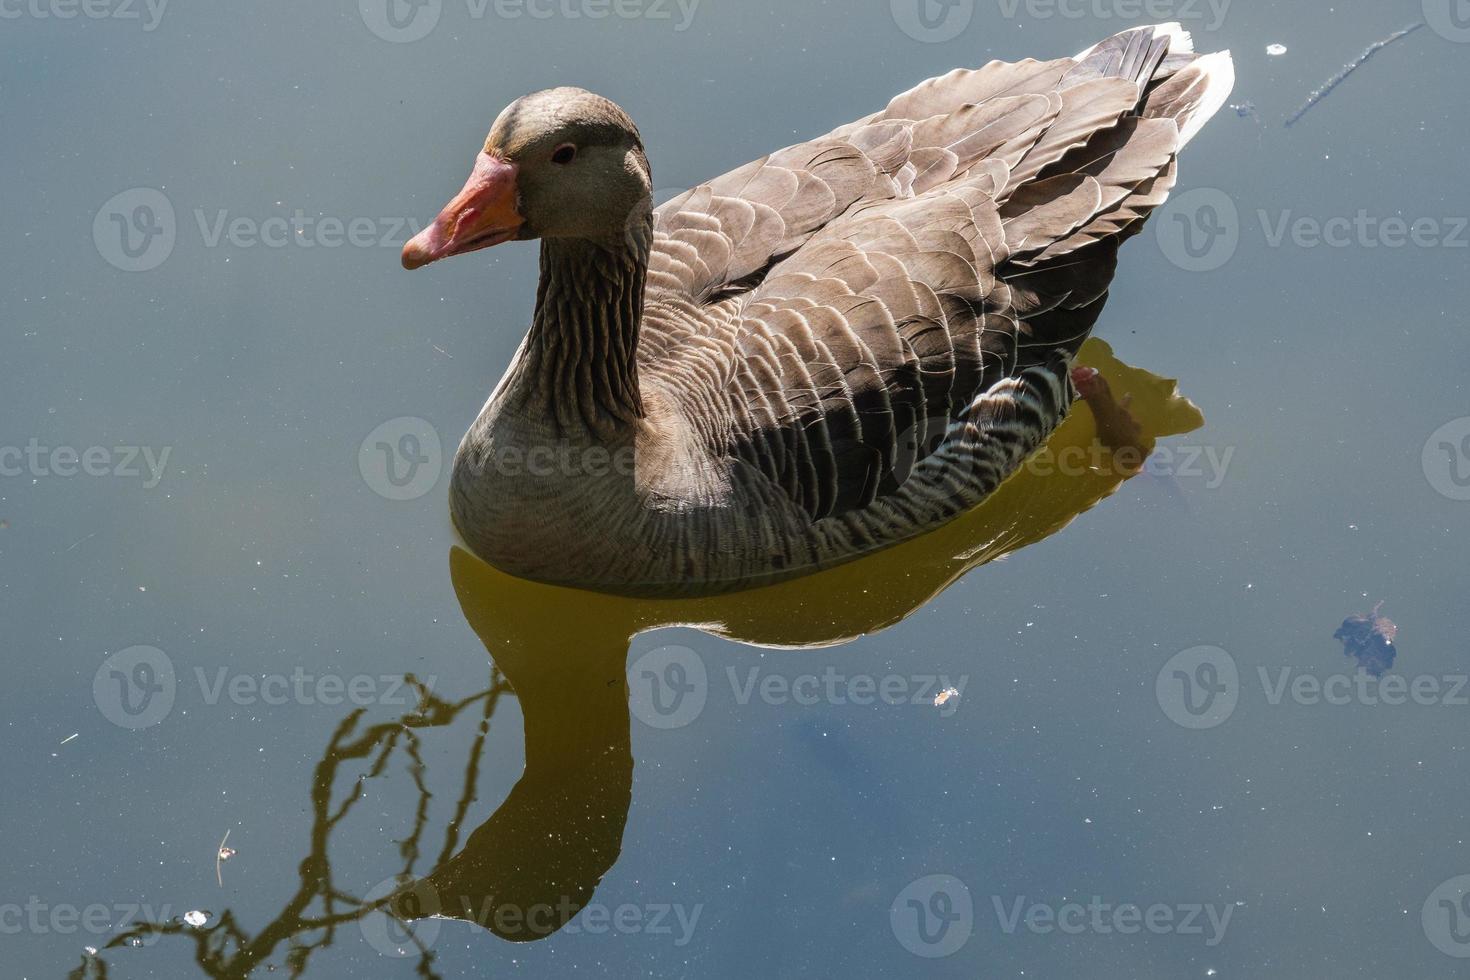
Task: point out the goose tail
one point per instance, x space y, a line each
1103 166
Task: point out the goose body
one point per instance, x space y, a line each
822 353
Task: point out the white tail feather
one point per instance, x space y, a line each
1217 73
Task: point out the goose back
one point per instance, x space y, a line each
835 314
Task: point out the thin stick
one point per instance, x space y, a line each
219 858
1341 76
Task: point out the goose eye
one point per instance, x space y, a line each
564 154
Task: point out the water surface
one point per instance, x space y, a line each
767 824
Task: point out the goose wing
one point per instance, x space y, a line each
838 312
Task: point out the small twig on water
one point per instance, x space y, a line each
1341 76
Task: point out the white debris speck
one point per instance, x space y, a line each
1276 50
196 918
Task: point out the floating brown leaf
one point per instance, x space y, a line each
1368 639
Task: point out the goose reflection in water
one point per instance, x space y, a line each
535 863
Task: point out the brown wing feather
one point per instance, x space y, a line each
844 306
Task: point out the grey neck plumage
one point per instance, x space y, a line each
579 364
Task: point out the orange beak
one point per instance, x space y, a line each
481 215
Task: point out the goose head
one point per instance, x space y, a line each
561 163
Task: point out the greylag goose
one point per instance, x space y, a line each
825 352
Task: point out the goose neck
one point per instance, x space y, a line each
580 360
